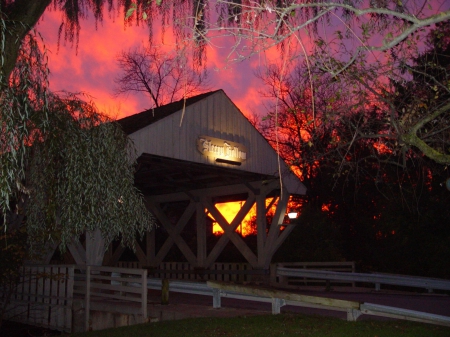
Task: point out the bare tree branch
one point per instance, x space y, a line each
164 78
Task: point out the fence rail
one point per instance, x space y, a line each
279 299
289 282
407 281
354 309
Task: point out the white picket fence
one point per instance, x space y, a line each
111 289
45 294
43 297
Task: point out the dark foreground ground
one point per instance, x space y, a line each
11 329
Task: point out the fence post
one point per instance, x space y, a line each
144 295
88 297
69 295
216 298
277 303
164 291
273 274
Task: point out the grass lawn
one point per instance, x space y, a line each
274 325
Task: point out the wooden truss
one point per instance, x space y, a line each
199 203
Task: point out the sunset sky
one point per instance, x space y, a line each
92 67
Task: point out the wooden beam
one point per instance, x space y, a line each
229 231
201 235
274 230
77 250
174 232
116 255
140 254
273 293
49 252
214 191
278 242
267 186
278 217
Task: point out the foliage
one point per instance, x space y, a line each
23 107
81 177
345 141
315 238
424 98
64 167
163 77
362 122
21 15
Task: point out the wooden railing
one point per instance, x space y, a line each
105 288
281 298
43 297
226 272
397 280
291 281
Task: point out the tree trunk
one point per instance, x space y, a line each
20 17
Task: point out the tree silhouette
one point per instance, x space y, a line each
163 77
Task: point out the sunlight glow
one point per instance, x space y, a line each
229 211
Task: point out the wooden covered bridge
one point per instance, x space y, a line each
192 154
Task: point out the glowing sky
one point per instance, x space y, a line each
92 67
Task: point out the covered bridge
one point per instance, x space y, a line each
192 154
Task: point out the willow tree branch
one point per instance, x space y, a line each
20 17
411 138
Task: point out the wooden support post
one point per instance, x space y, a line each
261 227
150 247
95 248
201 235
272 242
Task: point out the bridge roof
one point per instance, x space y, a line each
201 142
